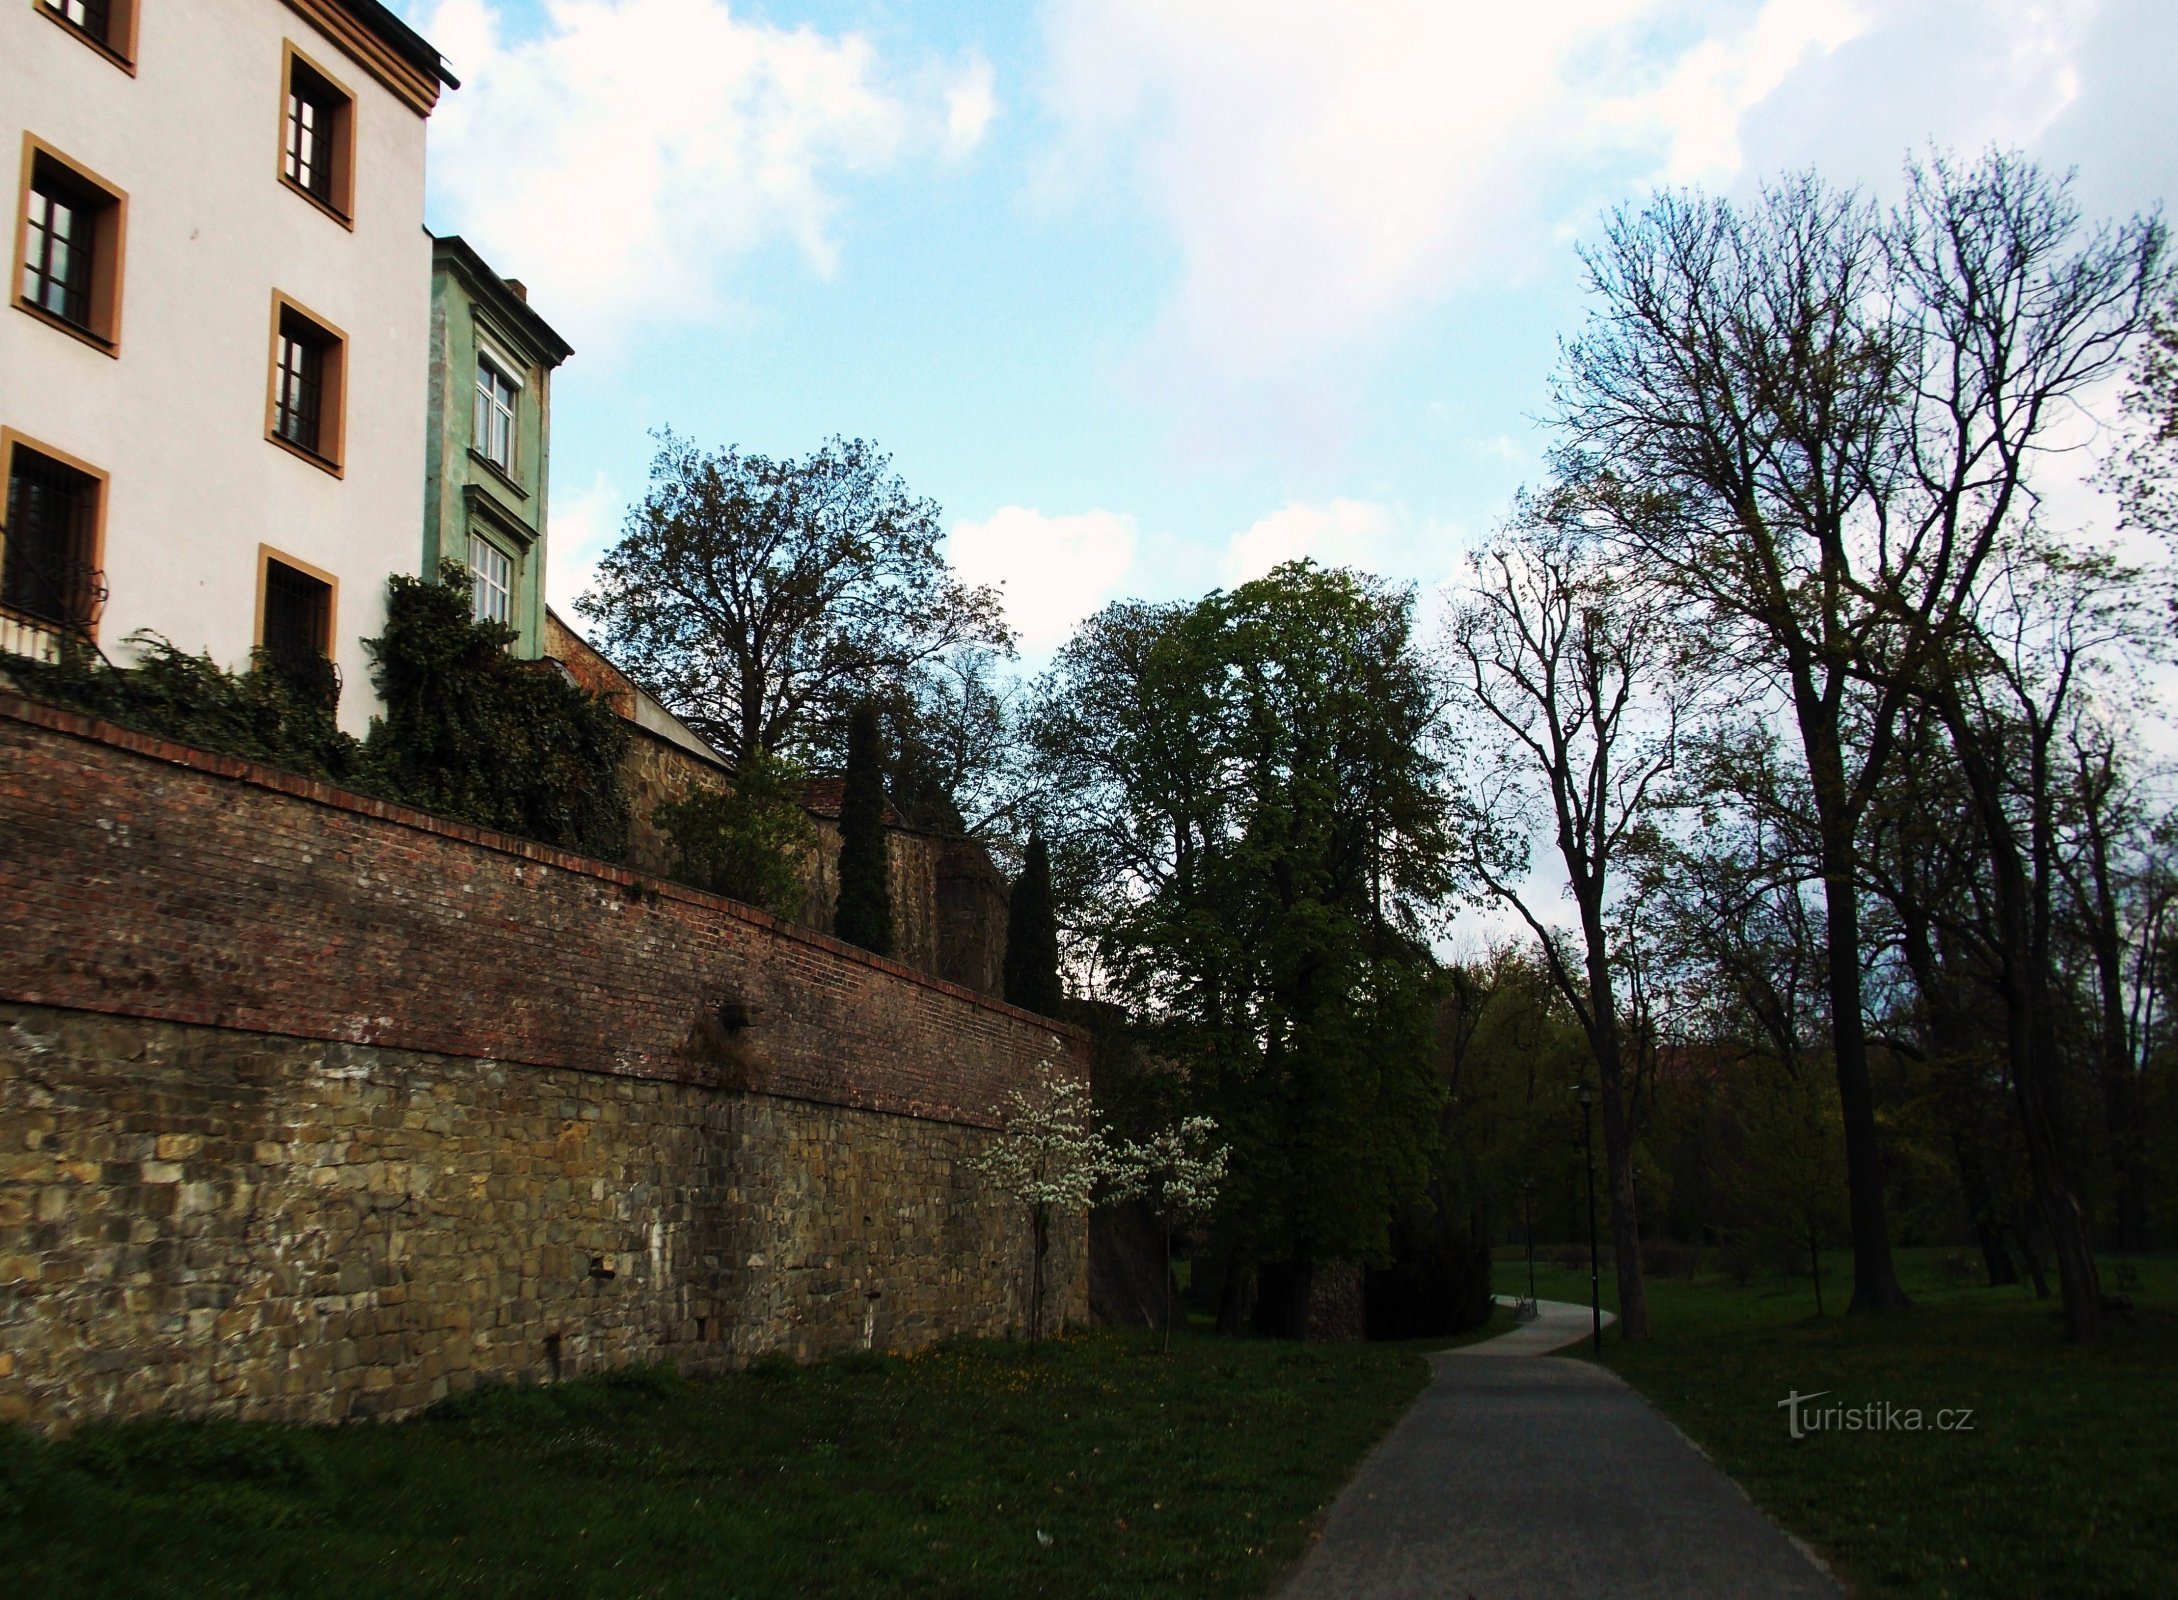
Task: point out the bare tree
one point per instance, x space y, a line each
1824 418
1570 687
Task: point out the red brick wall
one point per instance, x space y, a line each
140 878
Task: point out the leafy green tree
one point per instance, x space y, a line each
759 599
471 733
746 842
864 914
1032 935
1251 809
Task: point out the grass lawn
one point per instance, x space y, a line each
1092 1466
2066 1486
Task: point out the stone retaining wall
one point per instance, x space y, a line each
312 1107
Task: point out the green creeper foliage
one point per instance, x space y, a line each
747 842
277 713
1032 935
469 732
864 915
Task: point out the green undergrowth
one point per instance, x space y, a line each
2062 1484
1090 1466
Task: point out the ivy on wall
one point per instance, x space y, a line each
469 732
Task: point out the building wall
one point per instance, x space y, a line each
177 418
312 1106
471 308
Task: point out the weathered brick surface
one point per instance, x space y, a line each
315 1107
203 1221
147 879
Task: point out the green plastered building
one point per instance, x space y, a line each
487 451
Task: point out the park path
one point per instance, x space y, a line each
1519 1475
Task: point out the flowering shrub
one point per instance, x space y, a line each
1178 1172
1050 1156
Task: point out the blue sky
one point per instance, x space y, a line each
1149 294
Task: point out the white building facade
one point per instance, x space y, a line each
212 396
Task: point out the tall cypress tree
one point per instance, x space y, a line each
864 915
1032 936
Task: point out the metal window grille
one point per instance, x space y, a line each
46 569
298 386
495 401
491 581
94 17
58 250
309 155
298 616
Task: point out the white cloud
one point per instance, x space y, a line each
1367 535
1342 533
1054 571
1322 166
1701 105
971 101
583 527
622 156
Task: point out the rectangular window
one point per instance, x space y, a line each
296 620
495 395
317 136
309 360
49 546
491 575
109 25
69 248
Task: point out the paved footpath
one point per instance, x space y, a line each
1519 1475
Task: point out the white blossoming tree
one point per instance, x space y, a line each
1177 1172
1049 1156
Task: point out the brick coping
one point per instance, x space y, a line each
16 707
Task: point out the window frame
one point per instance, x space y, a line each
486 357
118 47
12 440
108 251
330 451
513 584
266 556
338 202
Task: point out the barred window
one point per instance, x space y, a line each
47 560
298 616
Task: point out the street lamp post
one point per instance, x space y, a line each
1595 1277
1527 1224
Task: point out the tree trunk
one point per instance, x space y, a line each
1633 1294
1168 1287
1875 1279
1042 1232
1981 1207
1815 1263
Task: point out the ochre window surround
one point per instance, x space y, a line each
107 26
71 227
306 390
89 537
275 584
316 156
